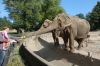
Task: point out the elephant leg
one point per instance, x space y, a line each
55 38
56 41
71 41
80 42
65 39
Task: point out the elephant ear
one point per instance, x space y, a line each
63 20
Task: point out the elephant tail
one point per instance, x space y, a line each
87 39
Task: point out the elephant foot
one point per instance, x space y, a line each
56 44
79 48
72 50
68 49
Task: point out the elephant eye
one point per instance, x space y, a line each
45 25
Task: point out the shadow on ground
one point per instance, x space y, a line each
50 53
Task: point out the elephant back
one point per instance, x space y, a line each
83 27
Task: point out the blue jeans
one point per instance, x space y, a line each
2 56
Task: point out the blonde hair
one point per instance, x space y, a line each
5 28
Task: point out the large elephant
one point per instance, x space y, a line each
73 27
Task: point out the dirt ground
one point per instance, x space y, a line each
87 56
94 44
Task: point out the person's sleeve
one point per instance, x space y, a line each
6 35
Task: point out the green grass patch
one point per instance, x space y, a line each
15 58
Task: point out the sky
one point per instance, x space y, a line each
72 7
3 12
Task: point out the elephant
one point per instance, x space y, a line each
78 29
55 33
73 28
80 33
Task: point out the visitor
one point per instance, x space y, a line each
4 39
4 43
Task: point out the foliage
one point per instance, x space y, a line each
4 22
81 15
94 17
30 14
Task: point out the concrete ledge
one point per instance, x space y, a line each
31 58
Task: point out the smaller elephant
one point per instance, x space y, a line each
55 33
59 32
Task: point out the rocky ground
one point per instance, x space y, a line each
93 44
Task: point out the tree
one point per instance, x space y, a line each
30 13
94 17
4 22
81 15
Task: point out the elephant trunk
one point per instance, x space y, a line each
45 30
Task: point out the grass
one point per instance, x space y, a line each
15 58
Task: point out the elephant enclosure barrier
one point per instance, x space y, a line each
40 51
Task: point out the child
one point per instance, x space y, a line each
5 38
